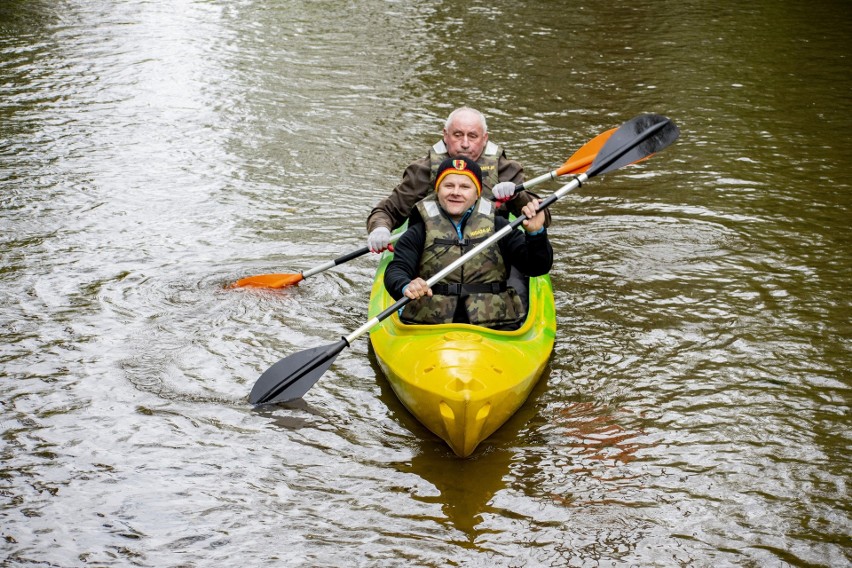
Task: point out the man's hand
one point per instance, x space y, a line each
534 218
378 239
503 191
417 288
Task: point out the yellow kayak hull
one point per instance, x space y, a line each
463 381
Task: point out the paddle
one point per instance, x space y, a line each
291 377
284 280
576 164
579 162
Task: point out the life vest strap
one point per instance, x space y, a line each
458 289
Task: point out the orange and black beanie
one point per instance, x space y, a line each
463 166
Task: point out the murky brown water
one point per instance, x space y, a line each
696 409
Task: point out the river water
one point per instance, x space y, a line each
695 411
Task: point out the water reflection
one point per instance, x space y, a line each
591 433
465 487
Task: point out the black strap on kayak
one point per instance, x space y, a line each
467 289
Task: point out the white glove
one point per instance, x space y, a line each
503 191
378 239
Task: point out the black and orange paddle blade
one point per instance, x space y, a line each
583 158
284 280
635 140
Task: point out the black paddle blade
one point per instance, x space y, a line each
634 140
291 377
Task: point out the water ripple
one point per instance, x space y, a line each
694 410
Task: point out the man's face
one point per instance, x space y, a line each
465 137
456 194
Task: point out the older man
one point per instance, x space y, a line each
465 134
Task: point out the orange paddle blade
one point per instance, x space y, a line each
583 158
269 281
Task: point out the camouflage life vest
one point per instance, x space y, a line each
487 162
480 283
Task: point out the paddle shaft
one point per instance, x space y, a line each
566 168
341 259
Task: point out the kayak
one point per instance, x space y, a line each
463 381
